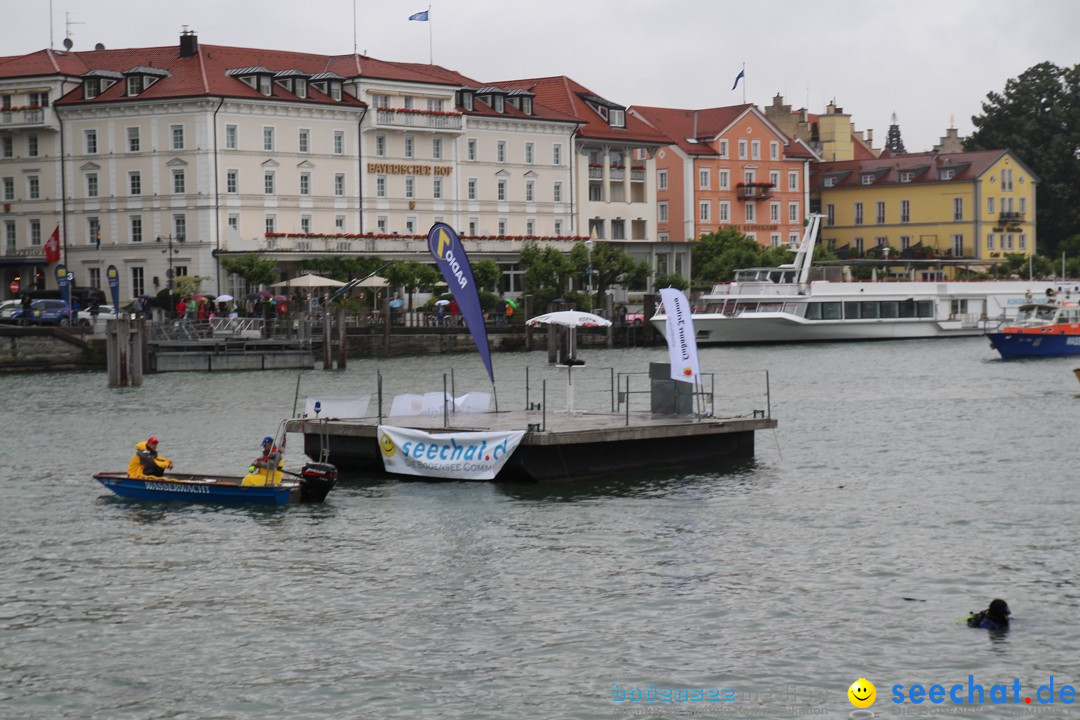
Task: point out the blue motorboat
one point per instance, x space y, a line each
1047 329
311 485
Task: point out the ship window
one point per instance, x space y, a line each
830 311
813 311
851 311
869 309
890 309
907 309
926 308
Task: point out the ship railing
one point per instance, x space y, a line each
757 288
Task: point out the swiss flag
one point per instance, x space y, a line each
52 247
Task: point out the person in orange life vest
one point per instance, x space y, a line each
146 463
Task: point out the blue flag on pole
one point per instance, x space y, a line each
740 76
422 16
446 248
114 286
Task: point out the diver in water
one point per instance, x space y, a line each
996 617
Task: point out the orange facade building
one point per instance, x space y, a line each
729 167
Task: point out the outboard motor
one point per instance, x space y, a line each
316 481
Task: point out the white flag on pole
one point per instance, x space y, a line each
682 346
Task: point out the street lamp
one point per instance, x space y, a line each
169 272
589 244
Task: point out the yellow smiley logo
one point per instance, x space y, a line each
386 444
862 693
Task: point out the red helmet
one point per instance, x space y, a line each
152 441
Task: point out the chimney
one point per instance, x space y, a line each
189 43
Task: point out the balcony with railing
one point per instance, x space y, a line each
25 117
596 172
411 118
754 191
637 174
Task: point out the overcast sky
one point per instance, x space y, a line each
926 60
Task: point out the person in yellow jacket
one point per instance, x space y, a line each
266 469
146 463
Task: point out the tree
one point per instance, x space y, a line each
188 285
663 280
546 272
1037 116
340 268
411 276
254 269
716 256
487 274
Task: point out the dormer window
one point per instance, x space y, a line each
868 179
301 88
91 88
830 182
134 85
617 118
948 174
265 86
527 105
907 176
467 100
498 103
335 90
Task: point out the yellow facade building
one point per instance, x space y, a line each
976 206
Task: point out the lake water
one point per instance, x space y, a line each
907 484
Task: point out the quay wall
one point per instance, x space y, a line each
36 349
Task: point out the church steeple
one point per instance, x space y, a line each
894 143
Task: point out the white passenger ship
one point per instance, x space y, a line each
781 304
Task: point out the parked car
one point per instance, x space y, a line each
635 318
7 307
45 312
105 313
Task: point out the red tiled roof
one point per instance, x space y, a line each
452 77
927 167
207 73
564 96
204 73
685 125
42 62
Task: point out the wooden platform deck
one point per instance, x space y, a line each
557 445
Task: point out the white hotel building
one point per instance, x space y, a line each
181 155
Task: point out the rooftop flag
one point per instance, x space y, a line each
421 16
740 76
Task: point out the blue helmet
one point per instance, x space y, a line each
266 440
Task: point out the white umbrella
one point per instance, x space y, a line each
442 302
373 282
569 318
308 281
224 298
572 319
